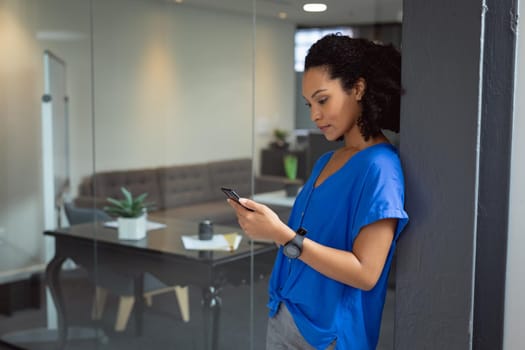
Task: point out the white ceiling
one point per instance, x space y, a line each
339 12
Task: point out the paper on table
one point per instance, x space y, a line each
226 242
150 225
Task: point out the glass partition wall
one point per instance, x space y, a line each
175 99
173 117
45 144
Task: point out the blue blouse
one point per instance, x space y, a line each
367 188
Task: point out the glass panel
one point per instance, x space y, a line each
173 105
172 98
45 104
283 128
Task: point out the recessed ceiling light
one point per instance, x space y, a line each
179 1
60 35
314 7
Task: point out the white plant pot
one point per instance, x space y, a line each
132 228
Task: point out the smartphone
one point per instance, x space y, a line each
233 196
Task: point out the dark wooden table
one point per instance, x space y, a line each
162 254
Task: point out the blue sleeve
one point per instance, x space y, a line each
382 195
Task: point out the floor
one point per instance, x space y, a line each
163 326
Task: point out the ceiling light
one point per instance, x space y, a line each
314 7
283 15
60 35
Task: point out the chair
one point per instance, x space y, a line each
152 286
77 216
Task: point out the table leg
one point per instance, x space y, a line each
139 302
52 275
211 310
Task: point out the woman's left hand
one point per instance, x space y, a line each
262 223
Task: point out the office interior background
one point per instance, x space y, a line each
149 84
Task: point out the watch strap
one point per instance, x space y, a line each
298 240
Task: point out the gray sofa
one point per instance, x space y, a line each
190 192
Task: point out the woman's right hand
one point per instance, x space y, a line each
262 223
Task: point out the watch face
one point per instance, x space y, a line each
292 251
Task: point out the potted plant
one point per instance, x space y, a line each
292 184
280 136
131 214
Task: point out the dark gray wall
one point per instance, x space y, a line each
438 144
494 180
457 117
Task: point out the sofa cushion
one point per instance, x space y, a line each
172 186
218 211
184 184
236 174
108 184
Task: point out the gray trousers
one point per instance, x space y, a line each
283 334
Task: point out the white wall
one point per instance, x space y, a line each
515 285
64 29
172 85
20 81
275 88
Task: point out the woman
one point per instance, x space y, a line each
329 281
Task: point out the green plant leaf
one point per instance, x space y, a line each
280 134
290 166
127 194
129 207
140 198
116 202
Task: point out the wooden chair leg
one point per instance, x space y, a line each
148 298
99 303
183 299
124 311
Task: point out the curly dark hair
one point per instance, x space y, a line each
349 59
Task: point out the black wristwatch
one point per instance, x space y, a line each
294 247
